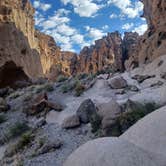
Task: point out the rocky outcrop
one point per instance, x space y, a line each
18 43
32 52
153 42
131 44
105 53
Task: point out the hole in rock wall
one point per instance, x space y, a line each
10 75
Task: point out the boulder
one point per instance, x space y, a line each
41 104
110 109
149 133
111 152
117 82
48 146
86 110
71 122
109 113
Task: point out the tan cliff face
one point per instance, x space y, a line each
106 52
153 43
35 53
18 43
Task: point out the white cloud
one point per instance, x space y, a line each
128 8
95 33
127 26
58 26
112 16
85 8
140 29
105 27
42 6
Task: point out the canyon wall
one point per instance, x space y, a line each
33 52
105 53
153 43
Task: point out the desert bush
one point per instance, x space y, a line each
79 89
61 78
131 116
2 118
17 129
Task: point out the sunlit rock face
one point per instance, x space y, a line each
106 52
153 43
36 53
18 42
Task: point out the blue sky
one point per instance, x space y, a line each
78 23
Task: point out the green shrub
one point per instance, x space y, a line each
129 118
49 87
82 76
95 122
79 89
61 78
24 141
65 88
3 118
17 129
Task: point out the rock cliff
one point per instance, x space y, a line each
153 42
105 53
28 50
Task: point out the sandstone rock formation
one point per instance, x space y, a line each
25 51
130 48
105 53
153 42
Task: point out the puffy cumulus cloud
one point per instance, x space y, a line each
58 26
140 29
84 8
128 26
127 7
94 33
42 6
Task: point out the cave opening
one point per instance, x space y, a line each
10 74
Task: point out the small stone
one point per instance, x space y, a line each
49 146
71 122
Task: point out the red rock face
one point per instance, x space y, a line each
105 53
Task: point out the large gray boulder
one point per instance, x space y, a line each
111 152
117 82
150 132
108 112
86 110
